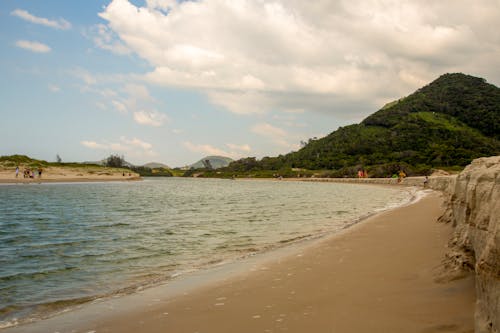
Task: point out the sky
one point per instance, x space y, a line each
174 81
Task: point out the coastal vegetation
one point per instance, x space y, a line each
24 162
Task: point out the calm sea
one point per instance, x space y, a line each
65 244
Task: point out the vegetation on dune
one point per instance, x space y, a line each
151 172
23 161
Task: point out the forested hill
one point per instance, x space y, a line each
447 123
469 99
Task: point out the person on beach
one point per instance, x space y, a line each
17 171
402 175
39 172
426 181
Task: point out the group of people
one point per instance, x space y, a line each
362 173
29 173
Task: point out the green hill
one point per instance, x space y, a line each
445 124
467 98
215 161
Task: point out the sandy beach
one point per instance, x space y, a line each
66 174
377 276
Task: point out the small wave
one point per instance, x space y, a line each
38 311
294 239
70 243
111 225
37 274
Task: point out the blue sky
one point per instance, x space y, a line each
168 81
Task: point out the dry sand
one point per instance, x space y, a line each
68 174
378 276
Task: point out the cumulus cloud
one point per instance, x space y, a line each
235 152
119 106
36 47
133 147
275 134
60 24
106 39
130 98
94 145
322 55
205 149
150 118
269 130
242 148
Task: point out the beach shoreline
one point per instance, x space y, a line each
68 175
212 300
35 181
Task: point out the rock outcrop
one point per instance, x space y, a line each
473 207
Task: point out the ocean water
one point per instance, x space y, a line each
66 244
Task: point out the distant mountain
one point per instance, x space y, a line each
447 123
216 162
156 165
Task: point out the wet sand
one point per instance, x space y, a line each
377 276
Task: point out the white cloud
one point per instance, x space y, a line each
269 130
136 143
322 55
36 47
235 152
161 4
88 78
205 149
150 118
137 92
277 135
243 148
94 145
119 106
241 102
54 88
60 24
133 147
105 39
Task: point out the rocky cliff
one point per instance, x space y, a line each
473 207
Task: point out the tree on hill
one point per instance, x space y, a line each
115 161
